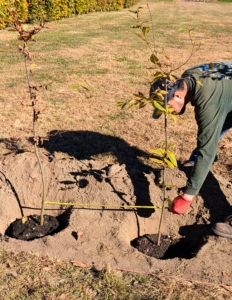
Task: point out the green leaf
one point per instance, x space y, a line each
141 37
170 110
173 117
80 84
154 59
158 161
168 163
171 144
121 104
171 78
83 85
159 94
157 73
141 96
171 157
159 101
74 87
159 152
162 92
145 30
183 29
157 113
158 106
143 104
156 78
133 103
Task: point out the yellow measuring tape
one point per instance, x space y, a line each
101 205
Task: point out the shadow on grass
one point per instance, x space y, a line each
86 144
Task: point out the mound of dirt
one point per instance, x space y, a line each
29 228
103 222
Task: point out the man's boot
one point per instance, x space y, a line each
224 229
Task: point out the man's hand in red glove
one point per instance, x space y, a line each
180 204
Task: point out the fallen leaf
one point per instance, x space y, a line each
24 220
80 264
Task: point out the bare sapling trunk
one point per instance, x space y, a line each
35 137
27 36
164 179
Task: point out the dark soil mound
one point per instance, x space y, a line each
29 229
147 244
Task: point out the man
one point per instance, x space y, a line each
208 87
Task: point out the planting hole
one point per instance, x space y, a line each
169 248
29 228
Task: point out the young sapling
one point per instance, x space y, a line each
163 71
27 36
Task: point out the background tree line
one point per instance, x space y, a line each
31 10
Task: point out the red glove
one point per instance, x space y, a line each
180 205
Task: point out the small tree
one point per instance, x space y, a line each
27 36
158 98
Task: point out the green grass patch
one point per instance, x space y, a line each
27 276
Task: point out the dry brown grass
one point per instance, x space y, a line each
27 276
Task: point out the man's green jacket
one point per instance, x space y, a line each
210 86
